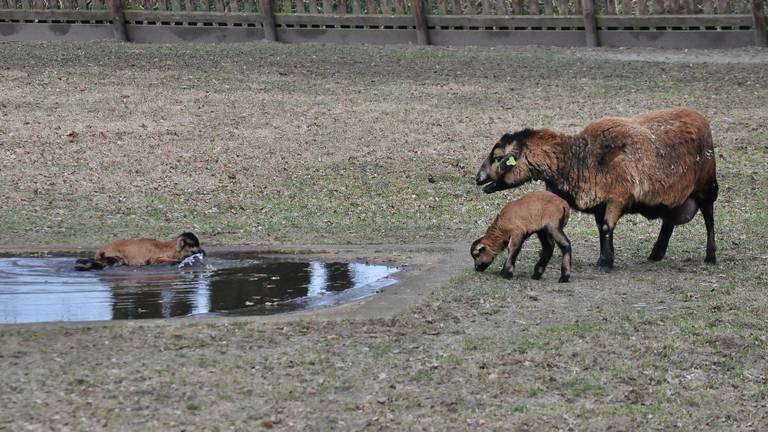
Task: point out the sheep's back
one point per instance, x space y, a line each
653 159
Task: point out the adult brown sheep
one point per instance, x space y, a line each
661 165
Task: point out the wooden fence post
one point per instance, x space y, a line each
419 14
758 22
590 23
268 20
118 20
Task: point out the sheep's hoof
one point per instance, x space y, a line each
710 259
505 275
536 276
604 268
564 278
656 256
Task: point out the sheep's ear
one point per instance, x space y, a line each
180 243
508 162
479 248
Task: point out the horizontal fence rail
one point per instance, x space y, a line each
569 22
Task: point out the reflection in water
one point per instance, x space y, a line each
36 290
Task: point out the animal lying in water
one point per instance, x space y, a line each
661 165
143 252
540 213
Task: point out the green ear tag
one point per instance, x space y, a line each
511 161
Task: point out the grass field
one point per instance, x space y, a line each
299 144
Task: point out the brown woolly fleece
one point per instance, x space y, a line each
144 251
540 213
522 217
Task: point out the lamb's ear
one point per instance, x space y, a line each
180 243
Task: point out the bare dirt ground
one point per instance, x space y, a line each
296 144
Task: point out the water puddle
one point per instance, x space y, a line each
49 289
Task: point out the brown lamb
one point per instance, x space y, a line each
540 213
661 165
144 251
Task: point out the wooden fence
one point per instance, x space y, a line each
570 22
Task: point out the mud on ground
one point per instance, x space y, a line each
286 144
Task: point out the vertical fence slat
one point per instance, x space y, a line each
356 7
627 8
312 5
722 6
486 7
577 7
442 7
533 7
642 7
420 19
562 7
268 20
455 7
327 7
118 20
612 8
547 7
399 9
219 5
370 7
341 7
707 6
501 7
658 7
590 25
758 22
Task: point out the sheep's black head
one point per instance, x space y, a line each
187 244
508 148
482 254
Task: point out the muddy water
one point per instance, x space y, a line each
49 289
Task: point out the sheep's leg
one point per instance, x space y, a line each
547 247
513 249
565 247
708 211
599 216
660 247
612 215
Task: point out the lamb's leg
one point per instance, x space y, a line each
660 247
513 249
708 211
612 214
547 247
565 247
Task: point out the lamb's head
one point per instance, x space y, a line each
505 167
482 254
